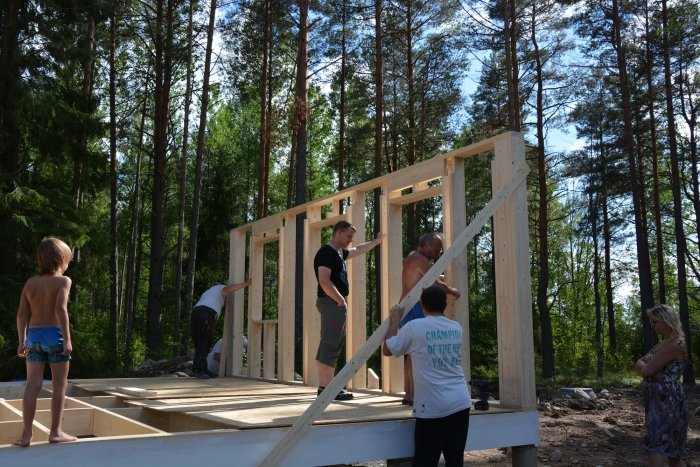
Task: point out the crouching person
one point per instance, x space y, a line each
441 397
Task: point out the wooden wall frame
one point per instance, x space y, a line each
443 176
445 173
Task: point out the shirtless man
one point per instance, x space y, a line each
415 266
44 336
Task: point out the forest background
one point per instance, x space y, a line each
141 132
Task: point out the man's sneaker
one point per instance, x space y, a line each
200 375
343 395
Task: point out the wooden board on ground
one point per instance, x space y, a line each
283 412
108 384
193 387
14 390
265 411
137 392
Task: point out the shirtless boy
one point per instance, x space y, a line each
415 266
44 336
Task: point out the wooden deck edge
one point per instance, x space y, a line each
322 445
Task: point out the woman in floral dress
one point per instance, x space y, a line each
664 400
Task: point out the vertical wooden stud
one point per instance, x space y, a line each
356 326
455 221
255 300
285 331
232 346
312 319
269 356
392 265
513 294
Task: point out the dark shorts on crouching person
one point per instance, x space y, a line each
202 328
332 330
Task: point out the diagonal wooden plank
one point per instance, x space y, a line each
303 423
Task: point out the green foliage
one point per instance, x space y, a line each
55 163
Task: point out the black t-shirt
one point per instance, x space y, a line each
328 257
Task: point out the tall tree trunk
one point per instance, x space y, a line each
133 266
547 341
137 275
378 140
422 126
688 375
113 253
385 139
299 128
660 265
646 290
411 234
641 172
341 109
510 32
10 78
264 162
86 94
689 110
268 117
394 165
593 210
180 342
196 196
292 169
80 154
163 73
609 302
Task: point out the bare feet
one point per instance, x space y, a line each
61 437
24 440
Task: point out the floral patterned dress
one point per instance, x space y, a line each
665 408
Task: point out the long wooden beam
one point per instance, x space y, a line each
417 196
413 174
304 422
417 171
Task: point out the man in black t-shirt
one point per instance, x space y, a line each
333 289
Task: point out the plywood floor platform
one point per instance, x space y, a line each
244 403
152 420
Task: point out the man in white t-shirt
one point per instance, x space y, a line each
214 357
202 321
441 398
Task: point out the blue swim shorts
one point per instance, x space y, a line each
415 313
45 345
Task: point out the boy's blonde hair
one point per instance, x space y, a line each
51 254
667 315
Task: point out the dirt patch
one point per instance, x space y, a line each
604 432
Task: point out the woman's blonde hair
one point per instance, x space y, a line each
51 254
667 315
